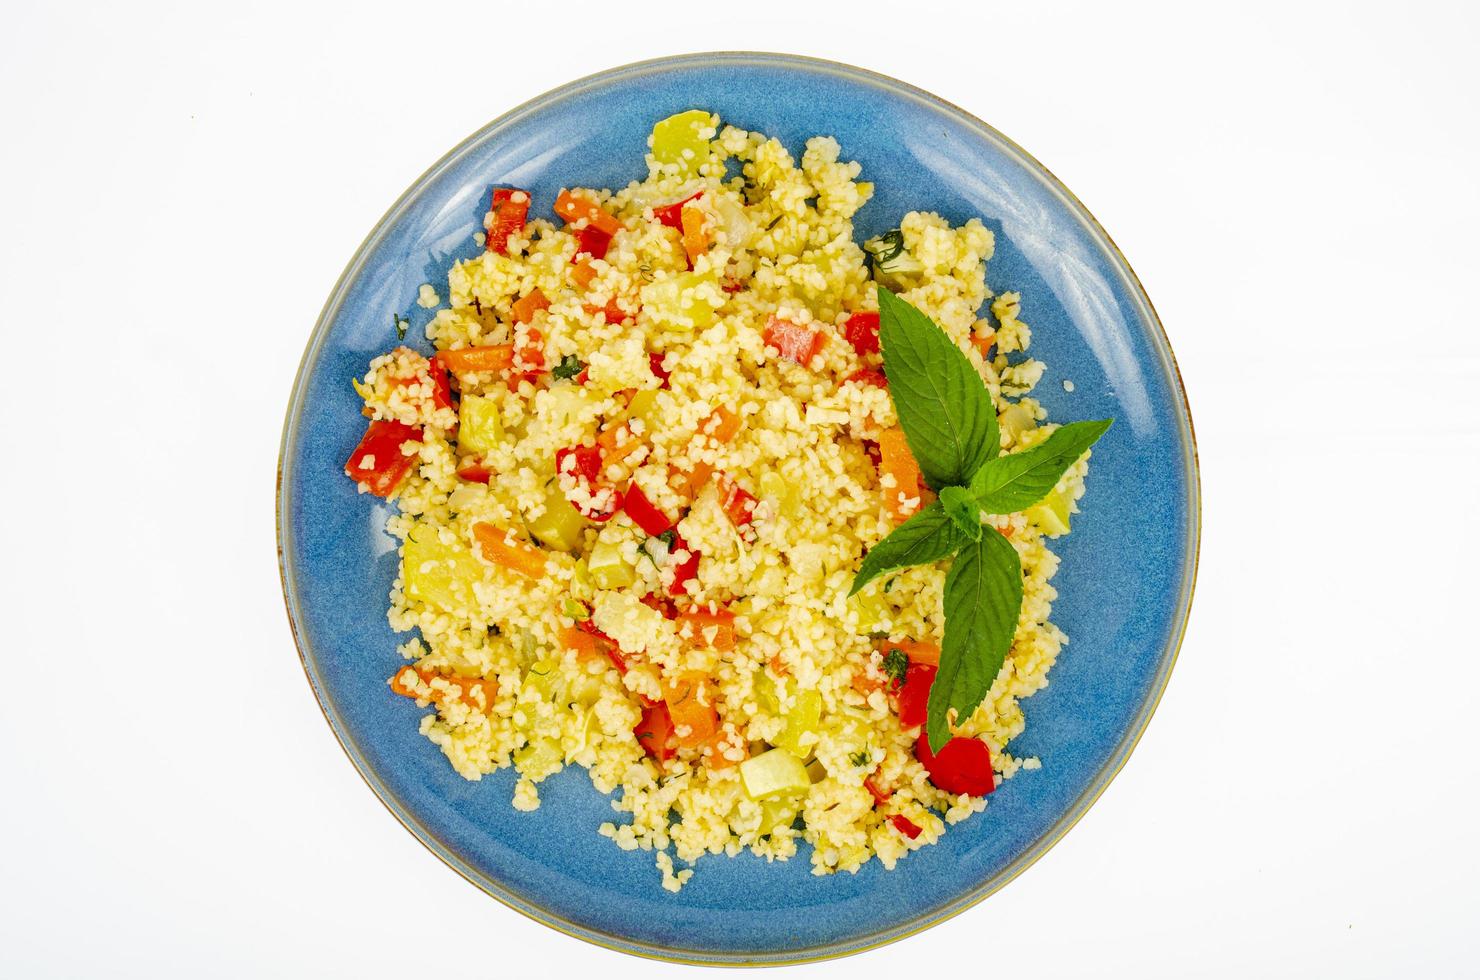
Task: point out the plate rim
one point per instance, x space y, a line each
1102 778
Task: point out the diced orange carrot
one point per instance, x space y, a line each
721 425
983 342
441 688
919 651
500 546
690 699
526 306
612 312
895 461
695 235
583 273
618 441
708 626
865 683
719 746
777 667
470 360
574 207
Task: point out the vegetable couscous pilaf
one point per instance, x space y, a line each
638 480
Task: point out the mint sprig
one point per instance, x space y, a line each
942 402
950 423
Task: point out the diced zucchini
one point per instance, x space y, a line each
890 256
872 610
765 692
479 429
801 720
774 773
849 733
559 525
567 404
543 681
685 301
785 495
683 139
642 404
436 573
1051 514
777 813
606 565
540 757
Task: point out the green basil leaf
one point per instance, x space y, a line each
1010 483
927 536
963 510
943 405
982 599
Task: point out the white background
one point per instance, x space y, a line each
1296 185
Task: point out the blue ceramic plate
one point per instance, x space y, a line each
1125 584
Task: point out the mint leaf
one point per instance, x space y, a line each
983 594
943 405
1009 483
926 537
963 510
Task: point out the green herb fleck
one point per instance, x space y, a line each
896 662
569 367
400 324
859 759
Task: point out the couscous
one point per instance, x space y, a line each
635 483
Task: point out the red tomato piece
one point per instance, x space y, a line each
685 571
665 606
643 512
905 826
963 765
869 376
654 730
441 384
655 364
591 241
794 341
587 462
738 505
377 463
474 473
672 214
509 209
862 331
914 694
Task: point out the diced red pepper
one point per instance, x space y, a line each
738 505
643 512
685 571
880 797
380 447
862 331
914 694
510 208
591 241
963 765
905 826
794 341
655 364
441 384
612 312
869 376
663 605
672 214
654 732
474 473
604 644
587 462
